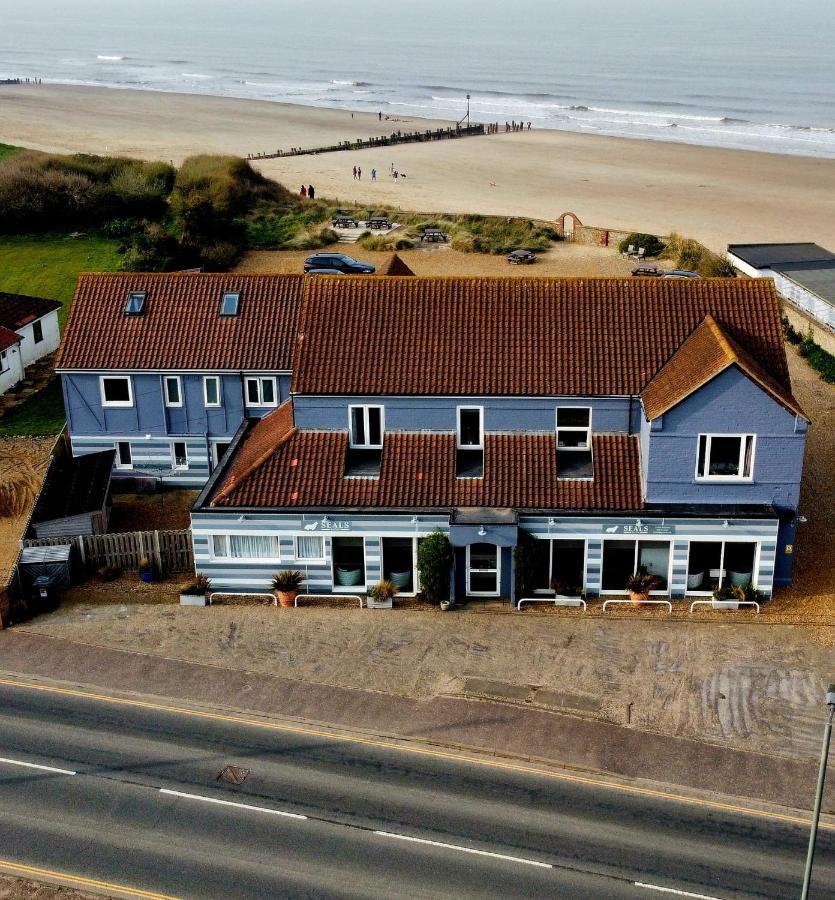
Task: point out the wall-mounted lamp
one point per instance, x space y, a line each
801 520
242 518
482 531
552 522
726 524
415 520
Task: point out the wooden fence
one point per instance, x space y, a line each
169 551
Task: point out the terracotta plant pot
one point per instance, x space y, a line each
287 598
638 599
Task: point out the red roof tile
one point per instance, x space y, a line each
418 471
519 336
707 352
181 327
8 338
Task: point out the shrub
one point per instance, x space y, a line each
288 580
153 249
435 565
650 243
220 256
694 257
145 565
382 591
641 583
197 586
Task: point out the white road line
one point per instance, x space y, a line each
28 765
666 890
414 840
261 809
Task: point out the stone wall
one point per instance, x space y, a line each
571 228
804 324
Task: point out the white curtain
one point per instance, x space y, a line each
309 547
254 546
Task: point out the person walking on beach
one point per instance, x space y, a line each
303 191
359 173
310 192
355 173
380 116
373 174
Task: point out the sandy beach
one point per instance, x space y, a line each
717 196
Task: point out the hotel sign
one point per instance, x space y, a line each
639 528
327 524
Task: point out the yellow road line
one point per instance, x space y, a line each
67 877
419 751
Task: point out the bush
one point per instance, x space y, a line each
152 250
435 565
197 586
220 256
288 580
650 243
692 256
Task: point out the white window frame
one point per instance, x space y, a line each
458 444
216 457
574 429
206 380
171 404
309 560
5 365
174 466
724 541
259 380
228 558
743 441
118 461
116 404
498 570
660 539
350 588
415 571
365 407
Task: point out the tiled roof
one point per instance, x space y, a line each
181 327
8 338
394 265
519 336
418 471
17 310
707 352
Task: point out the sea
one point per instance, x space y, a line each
751 74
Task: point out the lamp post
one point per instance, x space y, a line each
813 835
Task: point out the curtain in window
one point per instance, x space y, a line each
254 546
309 547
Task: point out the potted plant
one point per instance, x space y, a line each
380 596
727 597
638 586
147 570
286 584
446 604
193 593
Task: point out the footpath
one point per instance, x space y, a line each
504 729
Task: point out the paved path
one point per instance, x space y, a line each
130 795
505 729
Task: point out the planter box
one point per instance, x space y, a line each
378 604
193 600
725 604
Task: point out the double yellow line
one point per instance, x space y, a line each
64 878
418 751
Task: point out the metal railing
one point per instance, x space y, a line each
641 603
328 597
241 594
725 604
557 601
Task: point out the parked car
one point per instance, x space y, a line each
681 273
345 264
324 272
647 272
521 257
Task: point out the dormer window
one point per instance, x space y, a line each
135 305
229 303
366 427
469 443
574 447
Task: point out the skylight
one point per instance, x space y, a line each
229 303
136 303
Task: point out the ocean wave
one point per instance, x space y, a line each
351 83
196 75
105 57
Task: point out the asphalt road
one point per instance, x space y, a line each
321 817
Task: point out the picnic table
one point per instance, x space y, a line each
434 236
344 222
380 222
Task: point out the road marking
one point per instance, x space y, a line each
261 809
33 871
666 890
414 840
28 765
419 751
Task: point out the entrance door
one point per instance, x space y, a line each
483 570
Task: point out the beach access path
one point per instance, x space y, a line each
717 196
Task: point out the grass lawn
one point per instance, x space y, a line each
48 265
8 150
41 415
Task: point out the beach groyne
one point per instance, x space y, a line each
385 140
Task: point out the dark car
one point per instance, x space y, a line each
339 261
681 273
647 272
324 272
521 257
